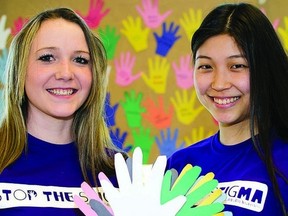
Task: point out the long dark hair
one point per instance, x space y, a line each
268 65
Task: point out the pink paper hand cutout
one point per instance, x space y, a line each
124 67
150 14
184 72
94 16
18 24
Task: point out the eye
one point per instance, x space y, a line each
46 58
204 67
239 66
81 60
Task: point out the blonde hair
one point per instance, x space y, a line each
89 129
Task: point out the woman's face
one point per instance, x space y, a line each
59 72
221 79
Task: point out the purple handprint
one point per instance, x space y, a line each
110 111
167 40
124 67
168 145
184 73
94 16
150 14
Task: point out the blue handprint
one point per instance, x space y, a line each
168 145
119 139
167 40
110 111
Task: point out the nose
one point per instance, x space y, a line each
221 81
64 71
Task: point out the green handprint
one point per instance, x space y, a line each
191 22
283 32
133 109
137 36
158 71
185 108
143 140
110 40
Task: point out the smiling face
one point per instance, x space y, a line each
59 76
221 79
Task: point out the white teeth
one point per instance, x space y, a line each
61 91
226 100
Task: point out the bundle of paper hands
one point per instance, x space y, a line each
149 190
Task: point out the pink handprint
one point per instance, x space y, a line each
184 73
18 24
94 16
150 14
124 67
156 113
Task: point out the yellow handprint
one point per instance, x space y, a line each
158 71
185 108
191 22
137 36
284 33
197 134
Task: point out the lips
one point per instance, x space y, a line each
62 92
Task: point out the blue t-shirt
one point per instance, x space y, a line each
240 172
43 181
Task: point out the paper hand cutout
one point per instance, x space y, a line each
191 22
134 196
4 32
154 194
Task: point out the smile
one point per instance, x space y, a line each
225 100
62 92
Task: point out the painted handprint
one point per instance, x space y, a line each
4 32
95 13
156 113
184 72
185 107
191 21
124 66
136 35
158 72
168 38
110 40
168 145
110 111
133 109
150 13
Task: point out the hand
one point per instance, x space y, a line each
158 72
136 36
110 111
132 108
191 22
167 40
94 16
283 32
18 25
119 140
186 113
168 145
156 113
4 33
124 67
143 140
96 207
134 196
110 40
197 134
184 73
150 14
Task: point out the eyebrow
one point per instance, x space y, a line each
55 48
230 57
